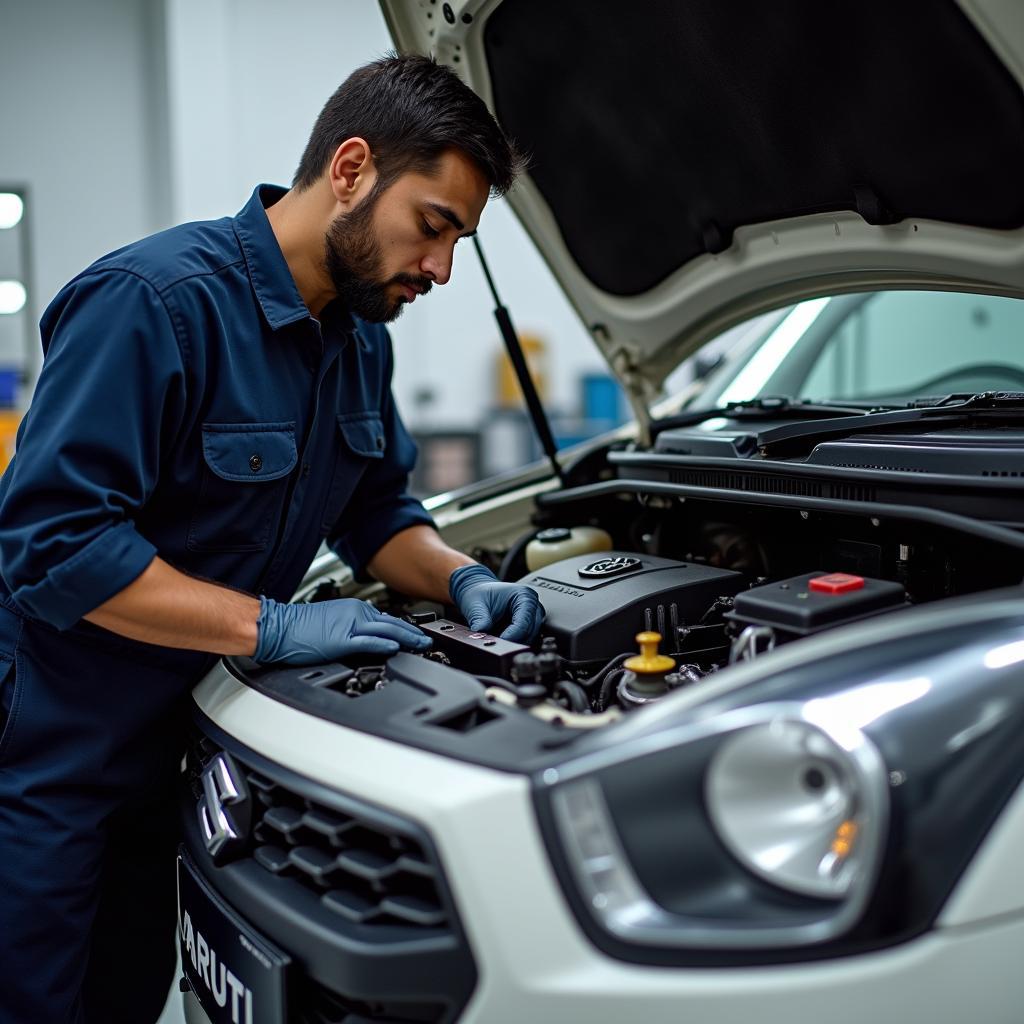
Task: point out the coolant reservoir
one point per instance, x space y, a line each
560 542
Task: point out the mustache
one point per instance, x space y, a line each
420 284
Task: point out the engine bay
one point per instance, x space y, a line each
656 589
659 566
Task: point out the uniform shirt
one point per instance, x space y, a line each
189 406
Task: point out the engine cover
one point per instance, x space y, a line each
596 604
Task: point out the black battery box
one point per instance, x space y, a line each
815 601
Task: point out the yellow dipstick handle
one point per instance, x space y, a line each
649 661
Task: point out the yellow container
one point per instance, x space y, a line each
535 352
9 420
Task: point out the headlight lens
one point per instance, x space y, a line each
752 829
788 804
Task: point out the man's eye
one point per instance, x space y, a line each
429 231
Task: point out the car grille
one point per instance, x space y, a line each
361 871
367 872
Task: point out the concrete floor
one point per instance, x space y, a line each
173 1013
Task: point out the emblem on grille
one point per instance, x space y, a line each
609 566
225 810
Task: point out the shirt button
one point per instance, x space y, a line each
380 443
255 463
305 469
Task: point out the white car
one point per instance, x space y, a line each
807 805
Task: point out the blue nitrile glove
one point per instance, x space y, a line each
485 601
306 634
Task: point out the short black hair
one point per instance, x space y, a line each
409 109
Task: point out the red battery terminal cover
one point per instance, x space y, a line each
836 583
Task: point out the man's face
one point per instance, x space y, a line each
400 243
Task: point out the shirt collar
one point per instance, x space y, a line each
272 281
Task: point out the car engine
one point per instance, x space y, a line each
624 628
688 619
658 567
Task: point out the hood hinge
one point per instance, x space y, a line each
638 391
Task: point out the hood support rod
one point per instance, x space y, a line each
541 424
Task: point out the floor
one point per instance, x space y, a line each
172 1011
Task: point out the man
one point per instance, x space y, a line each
214 401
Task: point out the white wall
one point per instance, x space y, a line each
80 125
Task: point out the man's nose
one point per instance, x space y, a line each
437 265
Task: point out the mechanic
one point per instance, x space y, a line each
214 402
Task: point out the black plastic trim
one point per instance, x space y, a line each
882 510
921 480
419 694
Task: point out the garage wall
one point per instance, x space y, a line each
82 126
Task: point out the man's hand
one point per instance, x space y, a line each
485 601
304 634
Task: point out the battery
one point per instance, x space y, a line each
815 601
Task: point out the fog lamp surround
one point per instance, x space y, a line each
790 803
801 805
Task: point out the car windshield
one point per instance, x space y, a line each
884 347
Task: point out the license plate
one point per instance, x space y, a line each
236 975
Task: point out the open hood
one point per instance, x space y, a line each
695 163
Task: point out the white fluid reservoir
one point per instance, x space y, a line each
562 542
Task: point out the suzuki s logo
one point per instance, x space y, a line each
609 567
225 810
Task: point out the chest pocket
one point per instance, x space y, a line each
243 487
361 443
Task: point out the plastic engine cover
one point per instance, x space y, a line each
595 604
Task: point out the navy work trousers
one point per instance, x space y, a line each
89 756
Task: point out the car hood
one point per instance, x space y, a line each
693 164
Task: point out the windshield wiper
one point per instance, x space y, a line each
953 410
770 407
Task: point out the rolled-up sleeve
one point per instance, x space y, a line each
381 505
110 396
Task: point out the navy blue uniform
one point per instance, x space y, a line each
188 407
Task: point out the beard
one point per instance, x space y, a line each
354 261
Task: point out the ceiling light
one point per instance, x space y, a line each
11 209
12 296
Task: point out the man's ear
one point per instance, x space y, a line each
351 172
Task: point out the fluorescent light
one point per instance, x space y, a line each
863 705
773 350
12 296
11 209
1006 654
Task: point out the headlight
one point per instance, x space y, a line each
758 828
753 829
794 807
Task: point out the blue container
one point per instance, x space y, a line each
10 378
602 398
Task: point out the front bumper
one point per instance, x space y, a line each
532 960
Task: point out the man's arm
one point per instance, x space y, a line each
164 606
417 562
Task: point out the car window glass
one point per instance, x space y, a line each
907 344
885 346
